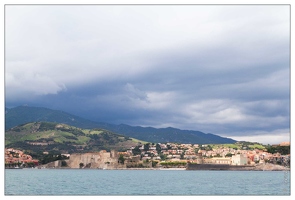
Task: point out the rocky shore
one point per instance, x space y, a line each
270 167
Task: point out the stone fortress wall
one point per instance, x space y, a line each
95 160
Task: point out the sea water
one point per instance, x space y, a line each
144 182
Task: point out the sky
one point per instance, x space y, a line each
221 69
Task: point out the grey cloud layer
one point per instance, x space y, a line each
219 69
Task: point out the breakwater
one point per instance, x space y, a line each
193 166
259 167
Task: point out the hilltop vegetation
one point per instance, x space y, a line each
241 146
55 137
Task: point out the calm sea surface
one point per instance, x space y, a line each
144 182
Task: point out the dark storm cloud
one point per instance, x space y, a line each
210 68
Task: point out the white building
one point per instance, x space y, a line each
239 159
256 158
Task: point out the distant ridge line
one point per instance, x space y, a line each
25 114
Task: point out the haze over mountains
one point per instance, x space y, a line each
25 114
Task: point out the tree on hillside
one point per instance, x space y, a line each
136 151
158 148
182 155
284 150
146 146
163 157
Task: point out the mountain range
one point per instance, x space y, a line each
24 114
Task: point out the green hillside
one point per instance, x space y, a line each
25 114
240 146
56 137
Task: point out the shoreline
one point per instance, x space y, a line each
169 169
155 169
190 167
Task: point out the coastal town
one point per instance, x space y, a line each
16 158
150 155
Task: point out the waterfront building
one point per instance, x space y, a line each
220 160
239 159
